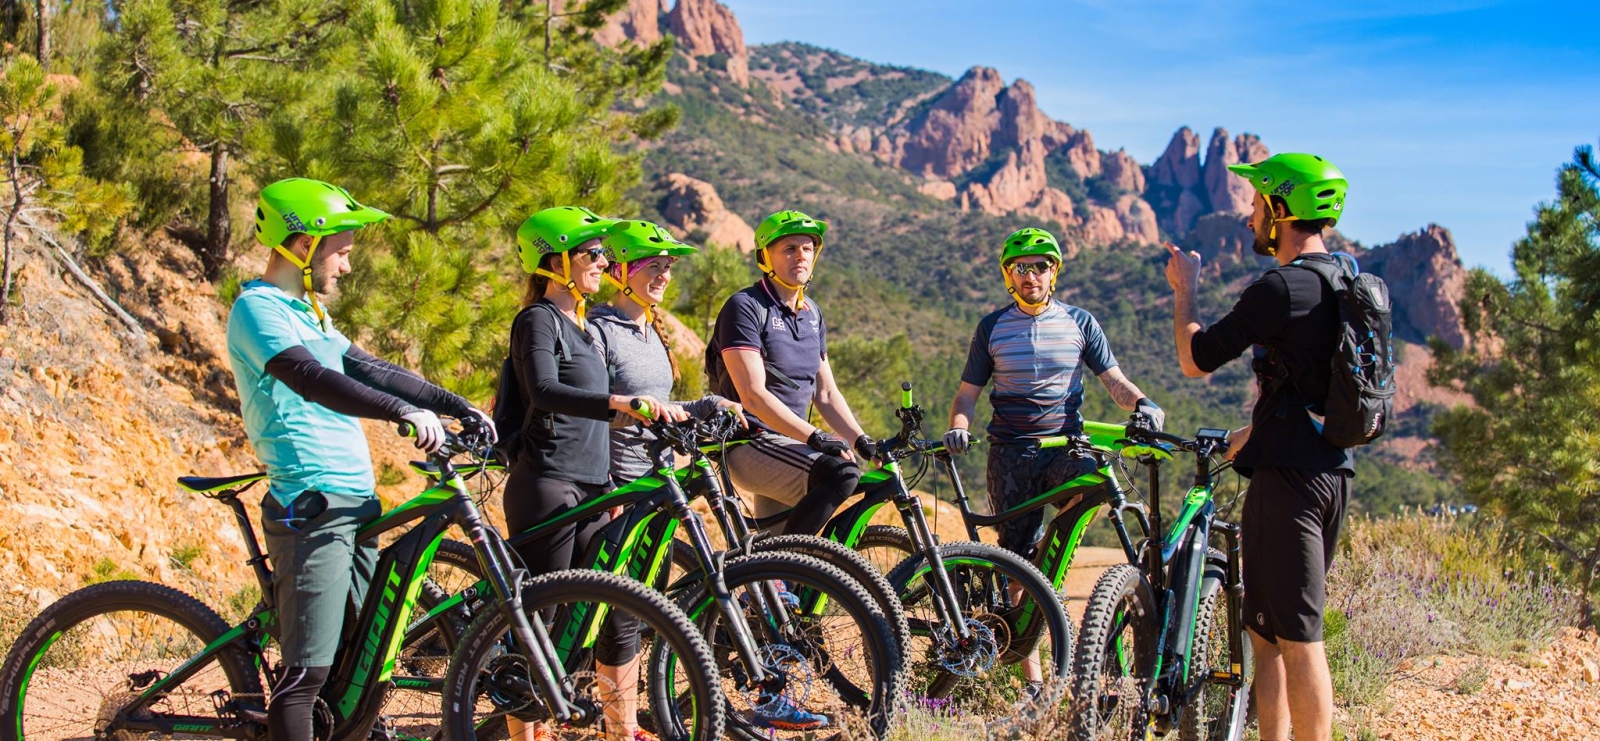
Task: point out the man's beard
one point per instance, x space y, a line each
1263 246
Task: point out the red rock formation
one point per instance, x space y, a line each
690 205
1227 192
706 27
1426 280
1120 169
1179 166
639 21
1174 188
958 132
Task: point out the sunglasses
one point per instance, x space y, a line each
1022 269
594 253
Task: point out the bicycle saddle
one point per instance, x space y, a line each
206 485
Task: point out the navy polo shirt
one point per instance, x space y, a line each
793 342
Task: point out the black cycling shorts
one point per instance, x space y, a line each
1288 535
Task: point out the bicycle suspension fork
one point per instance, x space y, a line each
495 559
945 603
732 616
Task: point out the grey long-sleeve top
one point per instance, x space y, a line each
639 366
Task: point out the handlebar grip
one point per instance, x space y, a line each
641 406
905 395
406 429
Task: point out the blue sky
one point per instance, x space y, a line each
1437 111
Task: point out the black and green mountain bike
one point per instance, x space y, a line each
972 609
1163 645
131 659
835 653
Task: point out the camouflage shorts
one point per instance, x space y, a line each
1019 471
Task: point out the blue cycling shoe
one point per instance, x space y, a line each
782 714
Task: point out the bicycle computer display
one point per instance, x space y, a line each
1211 433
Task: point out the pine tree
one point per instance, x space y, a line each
443 117
1527 448
212 70
43 174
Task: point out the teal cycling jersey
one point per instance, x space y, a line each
303 445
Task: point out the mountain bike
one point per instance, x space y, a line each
834 652
971 608
1163 643
132 659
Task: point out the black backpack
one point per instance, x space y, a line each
1361 382
512 413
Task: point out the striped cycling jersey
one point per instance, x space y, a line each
1037 364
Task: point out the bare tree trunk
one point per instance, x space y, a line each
10 237
219 229
45 21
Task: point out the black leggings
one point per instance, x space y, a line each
531 499
289 715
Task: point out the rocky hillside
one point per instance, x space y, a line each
982 145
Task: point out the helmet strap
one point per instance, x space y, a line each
624 289
305 273
565 279
1026 305
766 267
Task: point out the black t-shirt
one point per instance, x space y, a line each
795 342
1295 313
565 381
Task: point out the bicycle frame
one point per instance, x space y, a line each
637 545
1176 572
365 662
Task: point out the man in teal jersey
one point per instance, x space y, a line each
302 385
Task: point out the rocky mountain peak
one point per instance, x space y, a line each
1227 192
1425 274
959 130
639 21
706 27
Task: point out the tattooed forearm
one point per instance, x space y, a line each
1122 390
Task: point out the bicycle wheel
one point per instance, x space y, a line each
79 668
885 546
489 689
1114 657
1218 712
836 656
854 565
1010 610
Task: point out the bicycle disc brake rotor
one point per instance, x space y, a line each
974 655
796 676
592 692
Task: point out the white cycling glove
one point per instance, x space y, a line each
429 430
958 441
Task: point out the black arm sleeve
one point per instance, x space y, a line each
386 376
537 345
297 369
1261 312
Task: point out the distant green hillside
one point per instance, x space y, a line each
900 262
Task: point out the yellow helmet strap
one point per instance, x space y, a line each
765 265
1011 288
571 285
626 290
305 272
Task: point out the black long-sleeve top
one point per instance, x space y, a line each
564 380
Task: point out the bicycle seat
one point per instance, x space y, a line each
206 485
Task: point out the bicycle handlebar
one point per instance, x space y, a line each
468 441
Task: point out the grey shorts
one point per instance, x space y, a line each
318 569
773 470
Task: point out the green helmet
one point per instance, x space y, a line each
1030 241
306 206
627 241
557 230
784 223
1309 185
